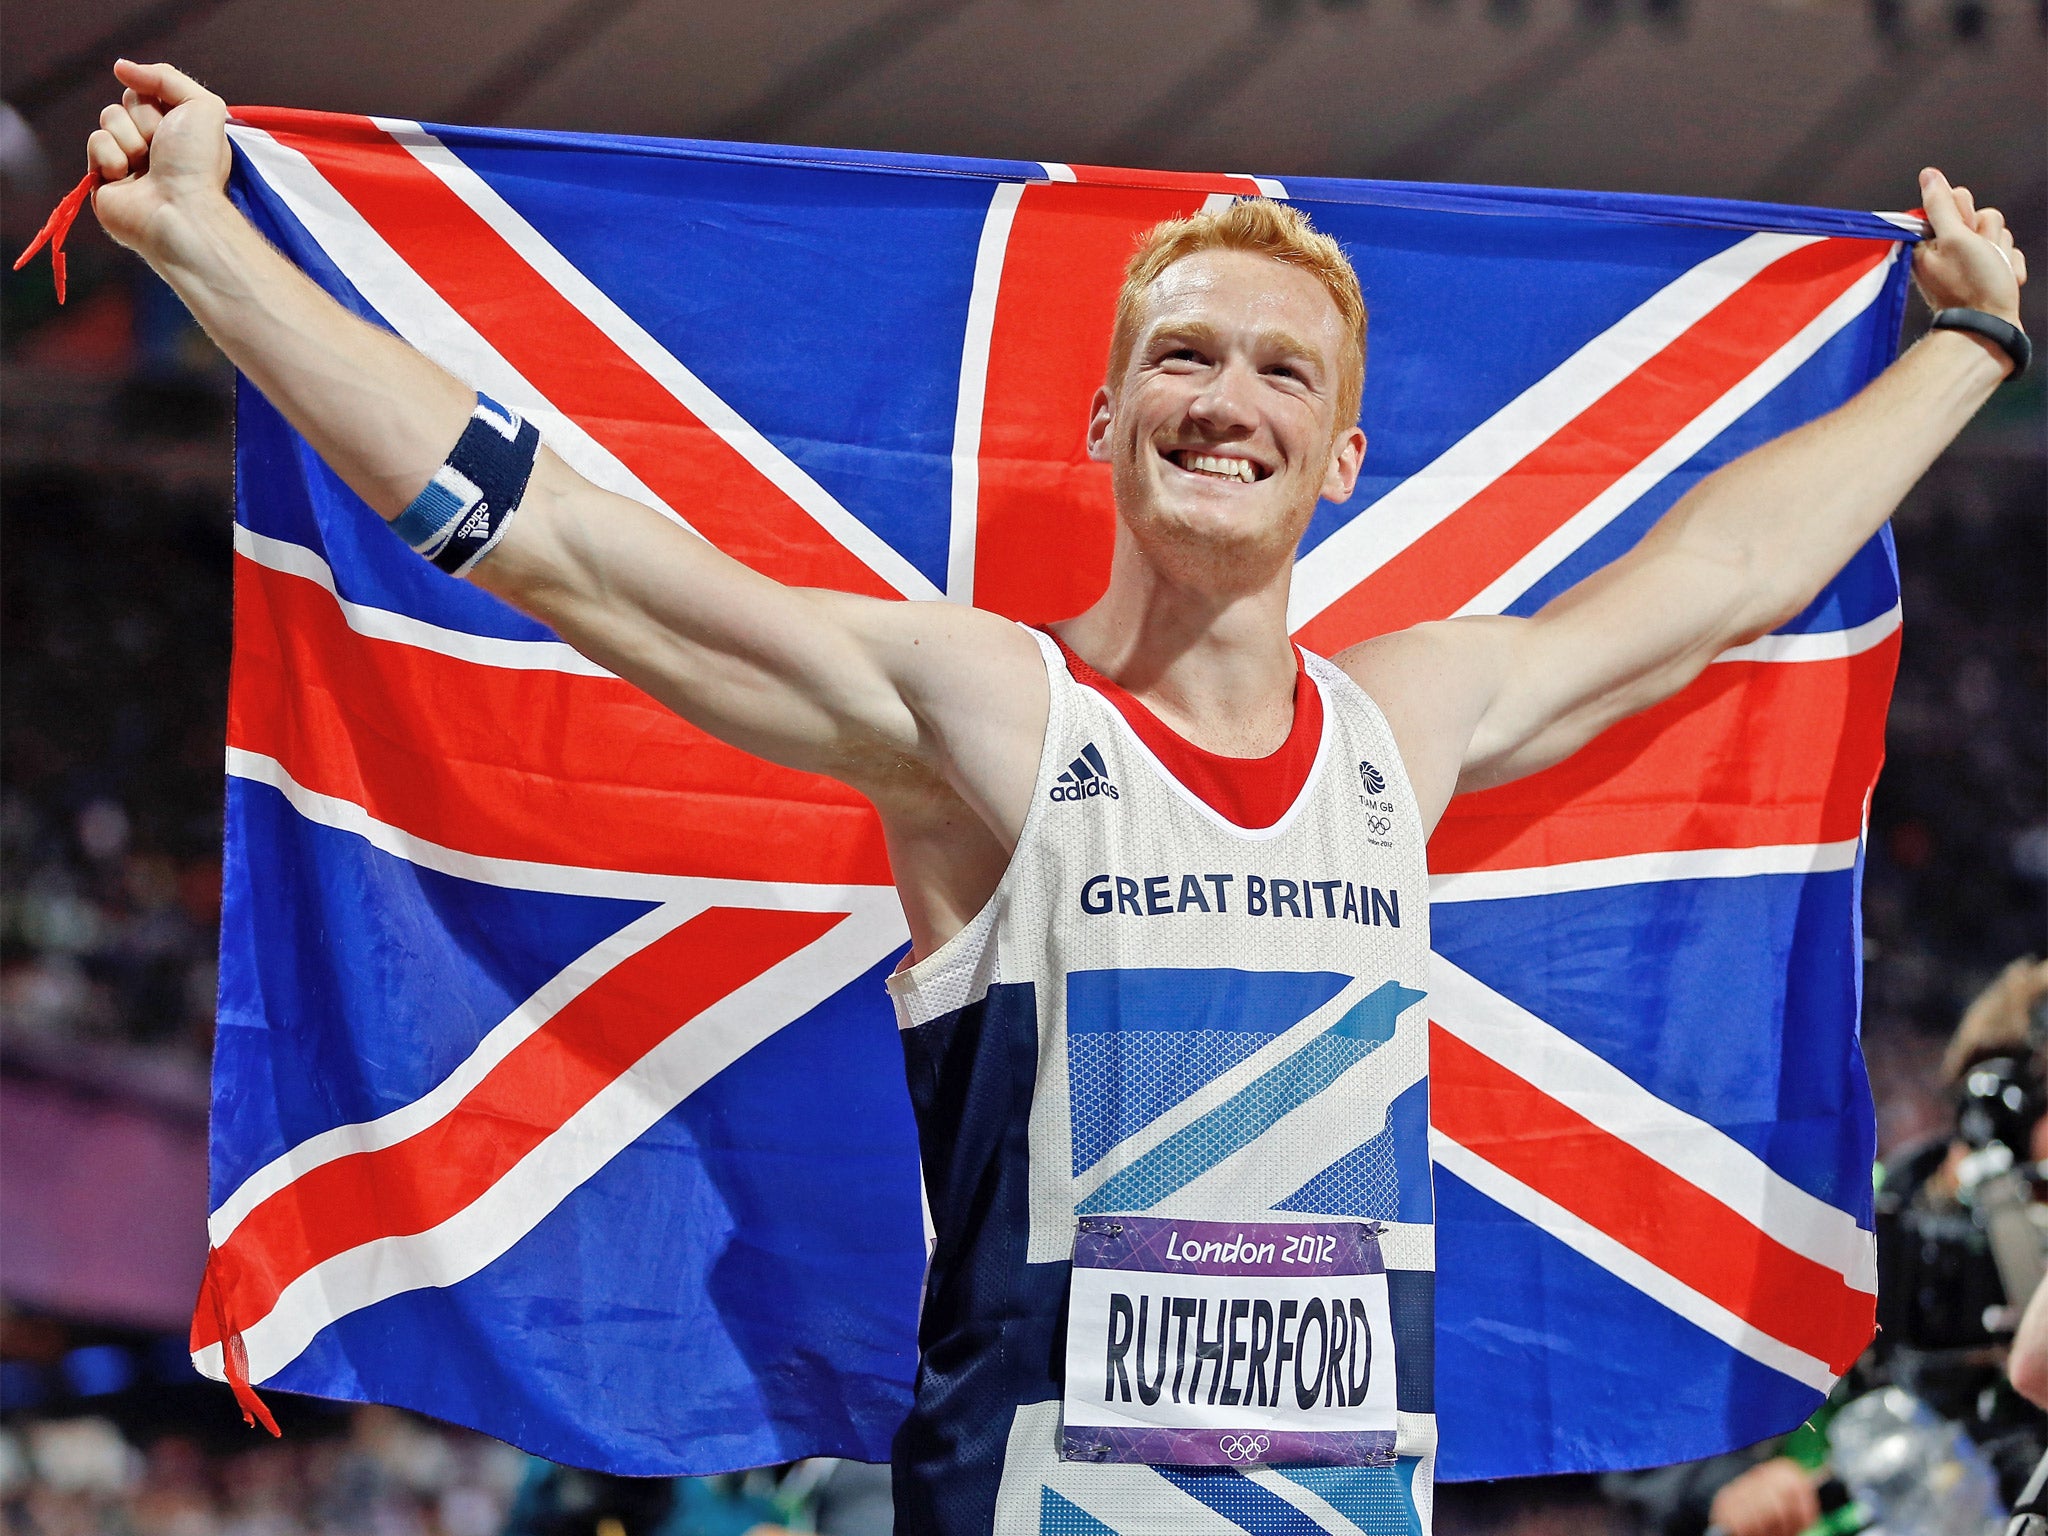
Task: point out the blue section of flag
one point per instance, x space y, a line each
647 152
1649 976
1865 589
842 279
747 1273
1628 209
1545 1359
285 490
353 981
1439 361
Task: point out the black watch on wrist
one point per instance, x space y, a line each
2003 334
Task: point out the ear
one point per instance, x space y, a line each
1347 457
1100 410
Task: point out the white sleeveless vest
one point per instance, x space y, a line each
1157 1014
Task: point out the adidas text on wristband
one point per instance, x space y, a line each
2003 334
465 508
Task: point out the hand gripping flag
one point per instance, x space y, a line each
556 1090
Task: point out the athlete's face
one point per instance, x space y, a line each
1222 431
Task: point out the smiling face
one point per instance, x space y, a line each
1222 429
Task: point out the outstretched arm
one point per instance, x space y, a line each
1481 701
871 692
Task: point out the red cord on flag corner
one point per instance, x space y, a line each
234 1354
56 227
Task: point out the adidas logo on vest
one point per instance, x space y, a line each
1084 778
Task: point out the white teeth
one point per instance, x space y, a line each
1212 464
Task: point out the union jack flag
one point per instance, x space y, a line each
556 1089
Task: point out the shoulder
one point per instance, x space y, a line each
1433 682
977 685
1425 657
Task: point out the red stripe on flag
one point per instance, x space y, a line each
564 355
1454 561
1752 755
1644 1206
420 1182
1204 182
542 766
1047 517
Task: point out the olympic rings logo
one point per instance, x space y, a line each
1244 1447
1380 826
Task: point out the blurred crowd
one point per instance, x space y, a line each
388 1475
378 1472
110 738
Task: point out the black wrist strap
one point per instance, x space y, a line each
2008 337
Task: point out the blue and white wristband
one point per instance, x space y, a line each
469 503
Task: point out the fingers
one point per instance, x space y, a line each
170 86
1990 223
126 134
146 113
103 153
1939 199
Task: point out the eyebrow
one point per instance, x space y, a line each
1201 331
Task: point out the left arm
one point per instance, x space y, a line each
1480 701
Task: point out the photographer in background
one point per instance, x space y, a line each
1961 1232
1962 1229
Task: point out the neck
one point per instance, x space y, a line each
1213 660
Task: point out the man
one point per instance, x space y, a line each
1163 874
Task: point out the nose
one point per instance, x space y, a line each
1223 405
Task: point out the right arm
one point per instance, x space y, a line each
881 695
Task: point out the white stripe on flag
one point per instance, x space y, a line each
617 1116
1511 434
1626 1264
561 989
402 628
421 315
872 905
519 874
597 306
1675 451
1822 645
1695 1150
1642 869
974 345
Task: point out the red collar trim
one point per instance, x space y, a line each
1252 793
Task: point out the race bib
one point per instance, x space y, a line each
1223 1344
